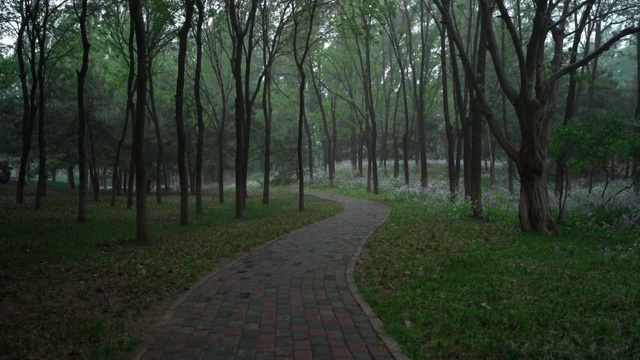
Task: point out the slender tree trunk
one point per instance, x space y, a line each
267 111
301 116
396 143
182 170
492 158
353 148
41 190
116 165
450 133
221 162
325 127
139 123
300 62
334 139
27 123
636 161
307 132
93 170
82 75
156 123
70 177
238 34
199 108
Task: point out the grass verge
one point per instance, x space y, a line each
88 291
447 286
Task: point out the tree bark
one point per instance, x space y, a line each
199 108
449 131
82 75
139 123
182 169
156 123
41 34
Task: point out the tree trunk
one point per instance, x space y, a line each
116 165
199 109
27 122
534 211
301 116
307 132
139 123
70 177
93 167
242 103
449 131
325 127
182 170
334 139
41 190
82 75
156 123
267 111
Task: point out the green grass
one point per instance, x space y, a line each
82 290
449 287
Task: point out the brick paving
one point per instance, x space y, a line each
291 299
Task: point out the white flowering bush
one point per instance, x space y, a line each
614 206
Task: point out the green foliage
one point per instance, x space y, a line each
597 139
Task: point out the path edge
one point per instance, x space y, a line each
376 323
175 302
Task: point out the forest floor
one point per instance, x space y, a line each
90 291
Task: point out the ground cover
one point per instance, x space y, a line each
91 291
447 286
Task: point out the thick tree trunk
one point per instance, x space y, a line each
534 207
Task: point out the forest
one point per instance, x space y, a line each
186 94
519 116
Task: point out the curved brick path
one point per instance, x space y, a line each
291 299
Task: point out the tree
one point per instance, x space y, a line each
302 12
135 11
271 46
82 75
395 42
182 55
199 108
216 50
449 130
534 101
243 103
419 82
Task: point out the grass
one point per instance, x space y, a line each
91 291
447 286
